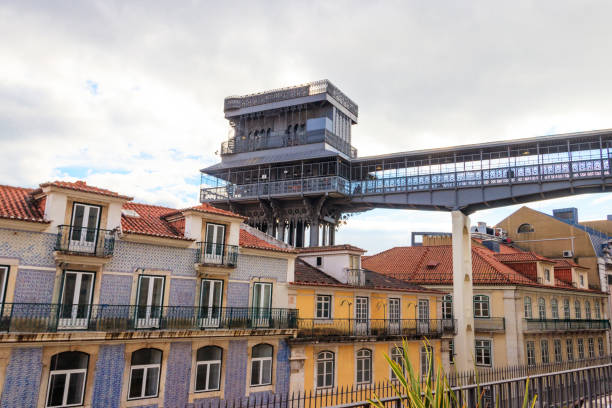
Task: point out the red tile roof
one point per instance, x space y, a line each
16 203
331 248
416 265
521 257
248 240
151 221
83 187
207 209
567 263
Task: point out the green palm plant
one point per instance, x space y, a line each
433 389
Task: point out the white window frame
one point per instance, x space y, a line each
600 346
397 355
597 310
569 349
423 309
81 244
208 364
531 358
213 315
326 304
260 362
541 308
577 309
395 309
73 321
447 306
363 366
145 368
425 361
547 274
214 251
480 352
479 312
528 307
567 309
148 321
581 354
587 310
68 374
591 347
558 350
325 362
4 270
554 308
544 351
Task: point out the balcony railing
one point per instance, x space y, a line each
550 325
85 241
44 317
217 254
376 328
490 324
355 277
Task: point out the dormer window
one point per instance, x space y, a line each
547 275
215 242
84 227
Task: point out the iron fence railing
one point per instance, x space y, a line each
44 317
551 325
589 384
211 253
85 241
490 324
377 328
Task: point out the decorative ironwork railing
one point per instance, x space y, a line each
378 328
355 277
210 253
45 317
490 324
274 140
565 324
85 241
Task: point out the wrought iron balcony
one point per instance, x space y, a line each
217 254
559 325
490 324
339 329
85 241
45 317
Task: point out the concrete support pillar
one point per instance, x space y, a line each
281 230
324 235
314 232
332 234
463 308
299 234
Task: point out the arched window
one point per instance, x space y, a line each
554 307
364 366
577 309
261 364
523 228
447 307
587 309
566 309
67 377
527 305
481 306
208 368
397 356
325 369
597 310
145 368
542 308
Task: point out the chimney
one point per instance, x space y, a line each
491 245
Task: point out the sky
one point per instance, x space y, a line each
128 95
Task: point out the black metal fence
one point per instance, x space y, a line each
554 325
212 253
378 328
85 241
44 317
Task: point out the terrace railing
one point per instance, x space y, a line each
561 325
41 318
490 324
85 241
211 253
309 329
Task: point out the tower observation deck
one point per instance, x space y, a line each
289 166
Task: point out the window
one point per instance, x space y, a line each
394 314
600 346
361 314
67 377
524 228
261 304
591 347
426 360
609 279
531 353
581 280
208 368
215 243
580 349
566 309
325 369
354 262
544 351
597 310
557 347
364 366
397 356
144 373
587 310
547 275
569 349
483 352
577 309
527 305
423 309
4 271
261 365
150 299
447 307
554 308
481 306
542 308
324 307
211 302
77 290
319 260
451 351
84 228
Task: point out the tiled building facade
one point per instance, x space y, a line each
133 305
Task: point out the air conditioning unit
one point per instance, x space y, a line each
568 254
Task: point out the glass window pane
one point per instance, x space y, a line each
92 224
262 350
158 288
201 377
152 380
209 353
56 390
69 288
143 294
266 375
69 360
215 374
75 388
77 222
146 356
136 382
255 373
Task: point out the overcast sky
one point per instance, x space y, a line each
129 95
